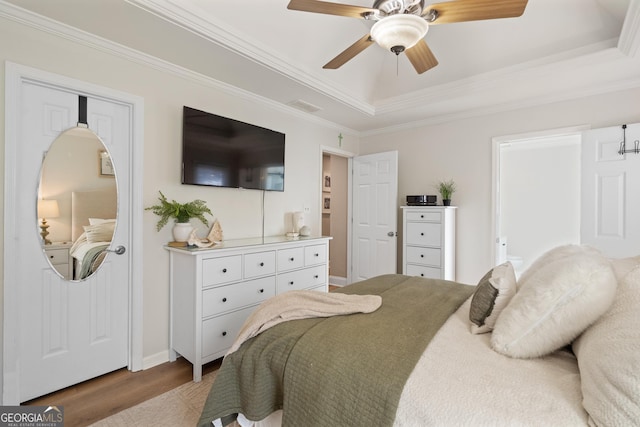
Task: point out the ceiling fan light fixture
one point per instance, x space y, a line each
399 31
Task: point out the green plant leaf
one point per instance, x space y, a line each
181 212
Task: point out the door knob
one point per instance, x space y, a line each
119 250
391 234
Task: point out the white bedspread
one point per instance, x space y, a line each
460 380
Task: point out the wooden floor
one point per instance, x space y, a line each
93 400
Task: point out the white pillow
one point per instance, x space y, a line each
554 254
608 354
493 293
622 266
96 221
558 301
102 232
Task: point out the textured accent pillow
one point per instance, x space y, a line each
555 304
102 232
554 254
608 354
493 293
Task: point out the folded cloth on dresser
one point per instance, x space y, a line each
327 383
295 305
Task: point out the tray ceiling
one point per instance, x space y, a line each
558 49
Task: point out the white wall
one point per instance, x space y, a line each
462 150
165 91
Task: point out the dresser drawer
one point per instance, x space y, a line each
423 271
231 297
288 259
219 333
423 233
316 254
302 279
259 264
216 271
423 255
424 216
58 256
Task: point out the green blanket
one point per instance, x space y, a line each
337 371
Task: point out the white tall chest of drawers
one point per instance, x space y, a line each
429 241
213 291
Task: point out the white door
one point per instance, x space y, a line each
610 202
69 331
375 211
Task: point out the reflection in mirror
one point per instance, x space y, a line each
76 204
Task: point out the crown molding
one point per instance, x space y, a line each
215 31
58 29
469 91
474 112
545 68
629 43
471 94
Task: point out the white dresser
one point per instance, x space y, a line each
429 241
214 290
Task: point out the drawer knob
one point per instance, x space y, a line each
421 255
317 254
315 277
291 283
422 274
51 256
422 234
291 259
262 264
224 270
224 299
421 216
261 291
224 333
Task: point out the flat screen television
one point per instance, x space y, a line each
221 152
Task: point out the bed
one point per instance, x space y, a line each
93 223
559 346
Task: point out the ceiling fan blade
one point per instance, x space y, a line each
349 53
421 57
474 10
328 8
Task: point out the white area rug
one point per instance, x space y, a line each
178 407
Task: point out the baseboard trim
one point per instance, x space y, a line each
338 281
155 359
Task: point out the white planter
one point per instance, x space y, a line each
181 231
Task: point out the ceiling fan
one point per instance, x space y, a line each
402 24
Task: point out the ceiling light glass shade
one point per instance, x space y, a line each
399 30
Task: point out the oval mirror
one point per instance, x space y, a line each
76 204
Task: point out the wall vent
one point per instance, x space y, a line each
304 106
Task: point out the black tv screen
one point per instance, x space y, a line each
222 152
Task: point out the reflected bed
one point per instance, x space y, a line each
92 226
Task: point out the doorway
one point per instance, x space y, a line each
22 165
335 213
537 194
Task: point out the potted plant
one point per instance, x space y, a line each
446 189
182 213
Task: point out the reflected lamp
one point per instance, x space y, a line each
47 209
